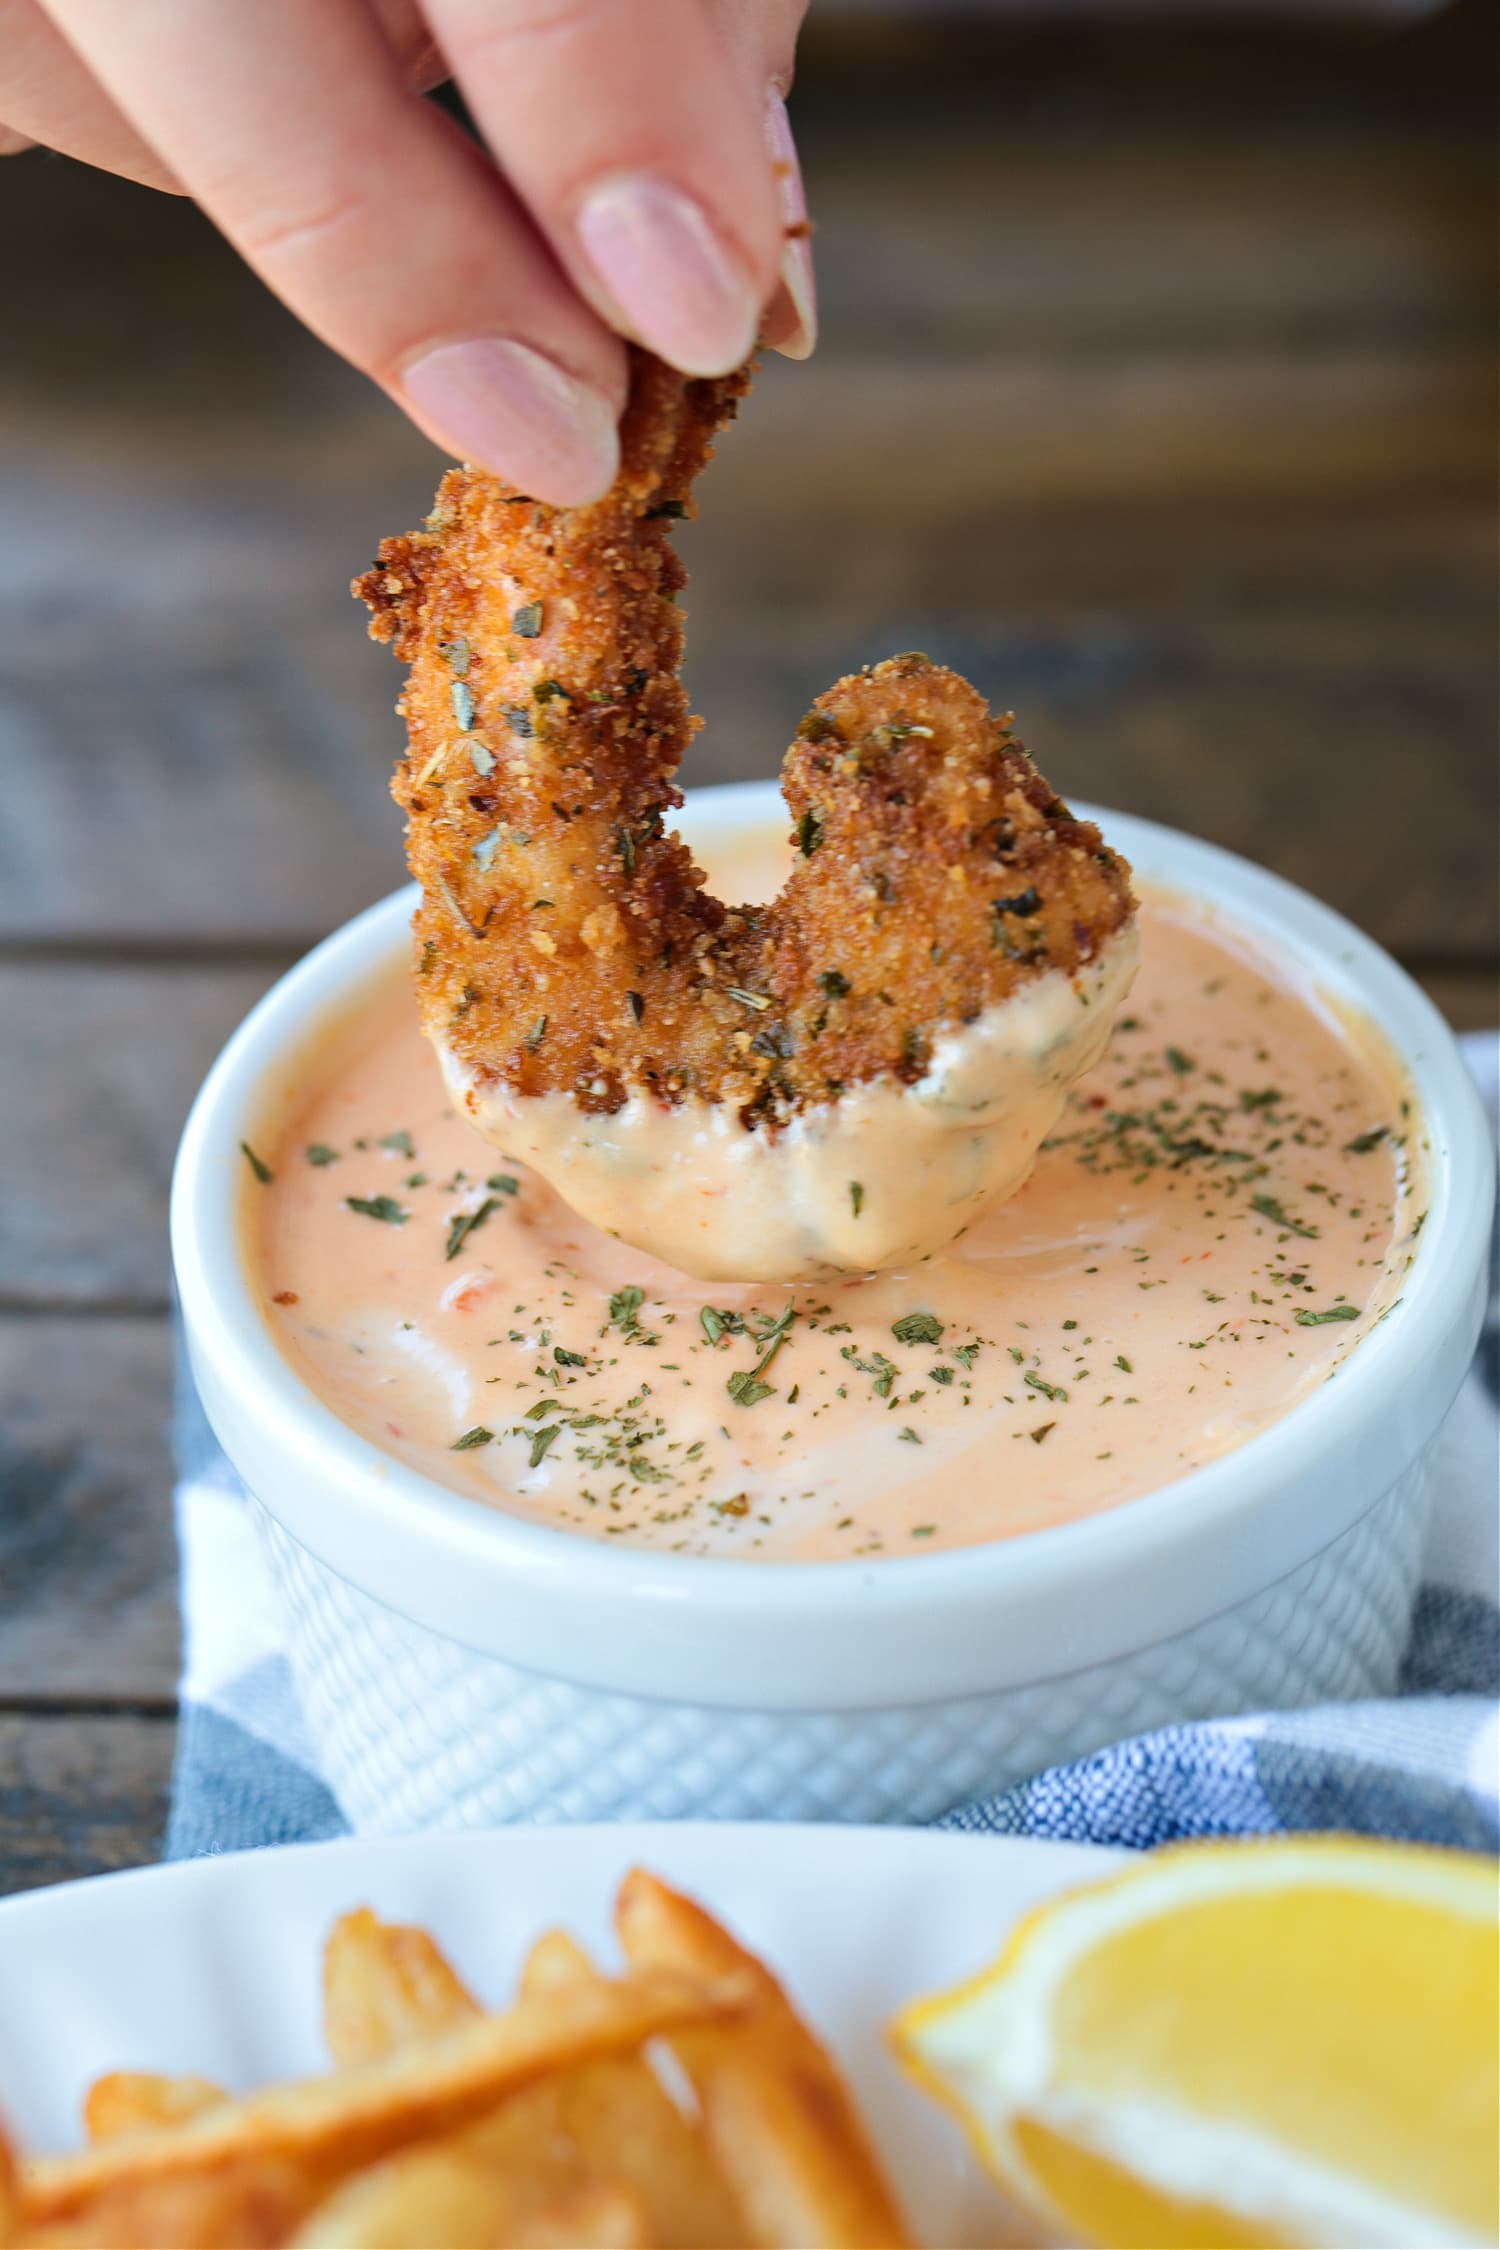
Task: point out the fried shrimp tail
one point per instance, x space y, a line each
838 1080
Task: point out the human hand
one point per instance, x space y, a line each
638 180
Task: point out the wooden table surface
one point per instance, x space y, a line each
1160 403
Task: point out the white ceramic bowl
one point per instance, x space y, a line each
460 1666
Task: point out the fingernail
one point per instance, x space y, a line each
682 291
797 339
513 410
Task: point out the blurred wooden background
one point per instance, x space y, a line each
1156 393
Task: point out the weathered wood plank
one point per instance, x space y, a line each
80 1796
1218 59
1170 422
1178 435
1312 687
1102 230
958 211
100 1066
219 779
87 1557
1277 674
1468 998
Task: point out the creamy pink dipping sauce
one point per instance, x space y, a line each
1228 1205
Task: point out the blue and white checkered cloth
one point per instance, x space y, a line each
1422 1765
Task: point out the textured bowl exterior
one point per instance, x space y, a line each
416 1731
462 1666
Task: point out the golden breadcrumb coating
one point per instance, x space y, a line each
565 942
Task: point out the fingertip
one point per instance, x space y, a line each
790 325
513 410
672 278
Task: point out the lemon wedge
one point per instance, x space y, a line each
1244 2043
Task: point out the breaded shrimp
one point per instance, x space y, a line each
839 1079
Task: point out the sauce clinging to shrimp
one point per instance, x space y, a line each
1224 1210
950 937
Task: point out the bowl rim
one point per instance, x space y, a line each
1188 1549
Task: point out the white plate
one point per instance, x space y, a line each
211 1965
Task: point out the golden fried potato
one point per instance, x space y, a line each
10 2193
427 2196
545 2128
384 1985
625 2127
248 2202
608 2121
601 2218
555 1959
137 2101
448 2196
332 2127
777 2114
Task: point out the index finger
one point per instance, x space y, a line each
374 218
636 139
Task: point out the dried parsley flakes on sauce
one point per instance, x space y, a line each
465 1223
1270 1208
382 1207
